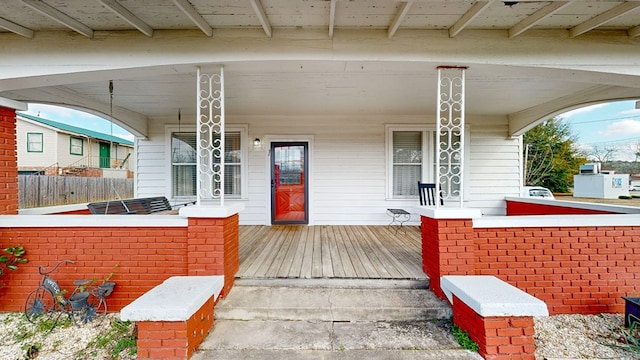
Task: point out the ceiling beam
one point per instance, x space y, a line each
536 17
332 18
15 28
128 16
400 15
603 18
634 32
193 14
60 17
262 17
468 17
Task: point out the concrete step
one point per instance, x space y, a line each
336 355
333 301
331 319
331 336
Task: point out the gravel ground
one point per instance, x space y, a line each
557 337
583 337
19 339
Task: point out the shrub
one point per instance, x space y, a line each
462 337
14 256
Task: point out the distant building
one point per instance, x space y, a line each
51 148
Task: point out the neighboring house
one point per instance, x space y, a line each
52 148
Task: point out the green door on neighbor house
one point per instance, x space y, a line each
105 155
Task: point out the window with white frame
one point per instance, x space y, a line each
75 145
35 142
183 164
184 157
409 157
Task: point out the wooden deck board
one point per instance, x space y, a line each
325 246
380 244
300 243
396 252
355 253
373 257
347 251
316 266
361 253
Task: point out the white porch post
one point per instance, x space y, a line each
210 138
450 133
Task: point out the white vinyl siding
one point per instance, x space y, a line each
493 166
349 165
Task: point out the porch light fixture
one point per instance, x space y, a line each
257 143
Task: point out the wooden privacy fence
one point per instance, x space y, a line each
39 191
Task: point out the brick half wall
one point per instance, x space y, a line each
145 257
147 250
584 269
574 263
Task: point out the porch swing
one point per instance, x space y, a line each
144 206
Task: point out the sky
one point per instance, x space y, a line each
614 124
78 118
603 125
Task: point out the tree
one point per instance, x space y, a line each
602 154
551 156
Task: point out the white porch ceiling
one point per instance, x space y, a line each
277 82
85 17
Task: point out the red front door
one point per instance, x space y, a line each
288 183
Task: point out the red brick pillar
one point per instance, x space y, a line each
447 249
174 340
212 248
498 337
8 162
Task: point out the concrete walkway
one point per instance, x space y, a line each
332 319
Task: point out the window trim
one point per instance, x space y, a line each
428 153
71 138
243 129
30 142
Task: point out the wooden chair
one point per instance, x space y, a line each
427 193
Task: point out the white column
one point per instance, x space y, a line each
210 138
450 133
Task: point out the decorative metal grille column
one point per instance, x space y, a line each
210 138
450 133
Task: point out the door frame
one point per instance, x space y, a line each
267 140
305 170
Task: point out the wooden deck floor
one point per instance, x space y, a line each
300 251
